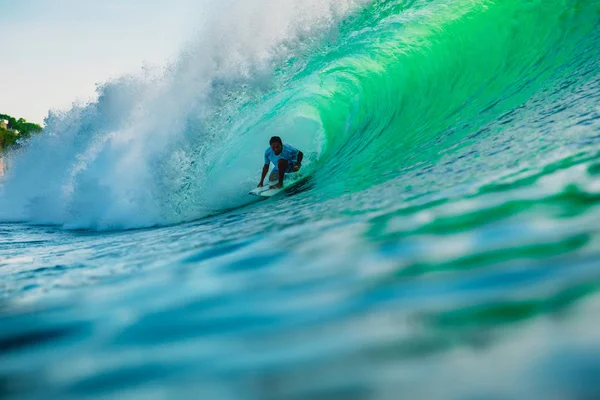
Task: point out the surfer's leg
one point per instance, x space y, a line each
274 175
282 166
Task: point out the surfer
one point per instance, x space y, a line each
286 159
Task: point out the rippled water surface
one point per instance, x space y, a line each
445 245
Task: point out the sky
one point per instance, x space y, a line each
54 53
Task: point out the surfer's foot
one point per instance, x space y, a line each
276 186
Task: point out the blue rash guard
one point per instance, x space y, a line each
288 153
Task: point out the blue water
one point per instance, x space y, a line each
445 244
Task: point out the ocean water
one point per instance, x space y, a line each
445 245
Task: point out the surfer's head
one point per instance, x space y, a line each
276 144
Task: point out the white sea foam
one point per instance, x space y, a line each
177 144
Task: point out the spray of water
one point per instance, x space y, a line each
175 145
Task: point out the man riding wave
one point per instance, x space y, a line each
286 159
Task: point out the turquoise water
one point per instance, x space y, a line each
445 245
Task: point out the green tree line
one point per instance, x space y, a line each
9 137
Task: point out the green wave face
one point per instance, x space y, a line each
421 97
421 80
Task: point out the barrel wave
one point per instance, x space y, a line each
445 244
372 90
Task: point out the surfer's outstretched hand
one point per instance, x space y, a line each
260 184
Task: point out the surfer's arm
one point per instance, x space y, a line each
300 157
265 170
299 161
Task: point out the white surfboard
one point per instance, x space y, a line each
266 191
